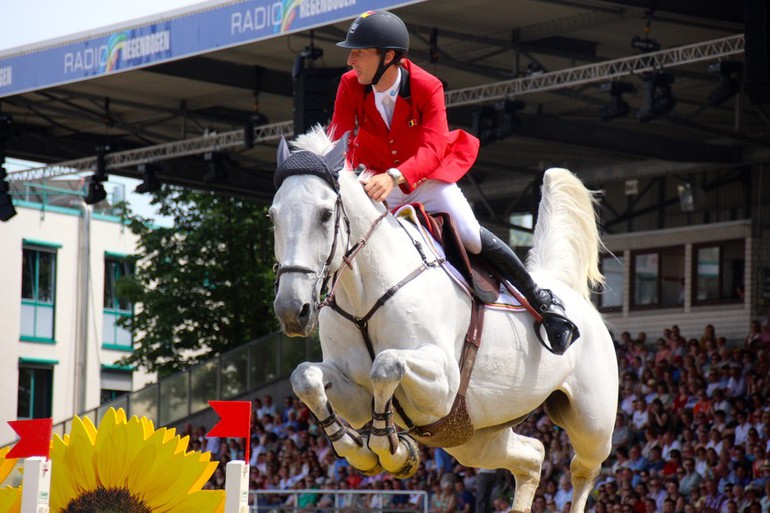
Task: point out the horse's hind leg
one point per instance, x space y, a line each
502 448
318 383
590 433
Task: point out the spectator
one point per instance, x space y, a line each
622 435
714 499
564 493
689 478
465 499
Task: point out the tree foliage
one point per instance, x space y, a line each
203 286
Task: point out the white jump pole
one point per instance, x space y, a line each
236 487
36 485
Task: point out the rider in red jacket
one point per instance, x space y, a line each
403 137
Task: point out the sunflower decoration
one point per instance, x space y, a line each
127 466
10 497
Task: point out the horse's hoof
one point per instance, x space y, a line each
372 471
412 463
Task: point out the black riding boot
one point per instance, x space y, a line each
560 330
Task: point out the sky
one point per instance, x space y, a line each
25 22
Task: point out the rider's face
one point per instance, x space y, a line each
364 62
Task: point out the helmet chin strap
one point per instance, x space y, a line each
382 68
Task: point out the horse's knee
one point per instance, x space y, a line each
388 367
306 379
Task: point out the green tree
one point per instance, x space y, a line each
203 286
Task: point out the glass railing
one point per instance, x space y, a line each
228 376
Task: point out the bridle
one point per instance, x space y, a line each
323 276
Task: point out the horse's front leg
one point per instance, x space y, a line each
427 380
311 382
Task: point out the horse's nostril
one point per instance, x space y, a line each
304 314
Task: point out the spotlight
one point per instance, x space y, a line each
644 44
309 54
96 192
658 99
101 163
729 84
255 120
216 172
150 180
495 122
617 107
6 127
7 210
686 198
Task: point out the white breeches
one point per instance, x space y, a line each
439 196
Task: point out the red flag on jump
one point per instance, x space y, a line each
235 418
34 438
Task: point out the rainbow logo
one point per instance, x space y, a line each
290 12
114 45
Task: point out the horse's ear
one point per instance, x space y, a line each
335 159
283 151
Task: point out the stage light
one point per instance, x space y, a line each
150 180
658 98
216 171
686 198
255 120
644 44
494 122
729 83
7 210
617 108
96 192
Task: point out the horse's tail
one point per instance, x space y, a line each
566 238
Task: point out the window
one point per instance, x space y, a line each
718 273
38 292
116 307
521 235
611 297
115 383
35 392
658 277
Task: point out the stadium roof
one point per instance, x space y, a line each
170 89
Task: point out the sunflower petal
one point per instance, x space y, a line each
6 465
10 500
204 501
78 457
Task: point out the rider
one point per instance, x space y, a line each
404 139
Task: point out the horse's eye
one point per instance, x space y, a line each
326 216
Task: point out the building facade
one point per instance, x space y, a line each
60 341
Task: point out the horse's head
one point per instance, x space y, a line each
306 213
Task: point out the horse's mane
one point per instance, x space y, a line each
315 140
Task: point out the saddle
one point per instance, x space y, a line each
477 272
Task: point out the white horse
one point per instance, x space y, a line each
331 238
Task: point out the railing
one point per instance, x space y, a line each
346 501
227 376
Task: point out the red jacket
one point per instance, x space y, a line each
418 142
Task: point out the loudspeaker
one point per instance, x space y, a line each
756 16
314 93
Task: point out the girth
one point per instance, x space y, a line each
456 427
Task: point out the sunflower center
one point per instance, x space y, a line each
107 500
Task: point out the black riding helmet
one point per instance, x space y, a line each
378 29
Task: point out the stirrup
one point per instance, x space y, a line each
561 332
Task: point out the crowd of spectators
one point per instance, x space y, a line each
692 434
